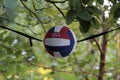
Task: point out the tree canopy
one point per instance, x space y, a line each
24 23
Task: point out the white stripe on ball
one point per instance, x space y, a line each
58 28
57 42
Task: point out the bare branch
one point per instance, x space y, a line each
53 2
59 10
98 45
34 15
26 27
35 7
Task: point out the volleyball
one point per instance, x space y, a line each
60 41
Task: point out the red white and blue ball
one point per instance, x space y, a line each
60 41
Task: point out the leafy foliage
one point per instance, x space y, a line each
20 61
115 11
70 16
83 13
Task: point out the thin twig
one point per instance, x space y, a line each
111 70
34 15
26 27
59 10
66 71
111 37
20 25
98 45
53 2
35 7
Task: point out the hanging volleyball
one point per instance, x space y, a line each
60 41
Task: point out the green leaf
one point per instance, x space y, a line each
84 26
70 16
100 1
93 10
74 3
106 7
87 1
91 2
113 1
115 11
84 14
95 23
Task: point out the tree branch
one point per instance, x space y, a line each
98 45
35 7
59 10
53 2
65 71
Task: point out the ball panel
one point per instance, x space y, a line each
57 49
73 41
58 28
64 50
51 29
64 30
57 35
57 42
57 54
50 52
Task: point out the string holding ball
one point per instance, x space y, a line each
60 41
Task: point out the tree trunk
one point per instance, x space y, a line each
117 47
102 58
116 76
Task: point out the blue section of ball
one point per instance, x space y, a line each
64 50
52 29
